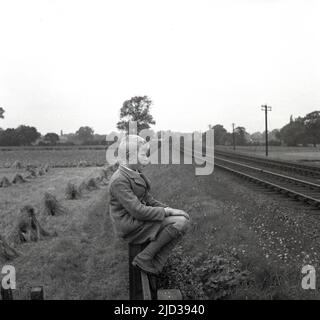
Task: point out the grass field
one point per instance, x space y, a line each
301 154
59 157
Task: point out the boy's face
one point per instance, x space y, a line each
143 155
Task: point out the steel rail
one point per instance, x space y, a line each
297 195
290 179
289 165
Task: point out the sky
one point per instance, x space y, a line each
70 63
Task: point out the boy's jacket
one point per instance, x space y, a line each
135 214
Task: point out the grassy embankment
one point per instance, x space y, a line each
222 256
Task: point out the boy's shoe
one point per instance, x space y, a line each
145 265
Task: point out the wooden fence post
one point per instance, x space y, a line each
135 288
6 294
37 293
140 282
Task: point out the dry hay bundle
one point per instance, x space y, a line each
7 165
72 191
18 178
32 172
16 165
83 164
100 177
6 252
108 172
4 183
105 181
51 205
41 172
91 184
28 227
31 166
46 167
82 186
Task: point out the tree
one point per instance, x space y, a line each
220 134
1 113
52 138
294 133
23 135
312 127
27 135
85 134
241 136
9 137
136 109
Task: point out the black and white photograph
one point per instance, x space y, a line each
161 151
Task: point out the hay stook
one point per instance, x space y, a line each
7 253
16 165
51 205
4 183
18 179
72 192
28 227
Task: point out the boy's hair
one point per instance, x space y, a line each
129 147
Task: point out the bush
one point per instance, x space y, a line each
205 276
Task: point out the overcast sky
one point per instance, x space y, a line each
64 64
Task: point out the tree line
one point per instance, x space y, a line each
299 131
26 135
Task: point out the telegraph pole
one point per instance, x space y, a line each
233 137
266 108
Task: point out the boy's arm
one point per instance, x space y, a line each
151 201
122 191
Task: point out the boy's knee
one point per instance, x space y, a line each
182 224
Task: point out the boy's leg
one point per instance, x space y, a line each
173 227
162 256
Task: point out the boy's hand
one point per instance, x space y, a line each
177 212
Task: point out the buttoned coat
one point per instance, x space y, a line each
135 214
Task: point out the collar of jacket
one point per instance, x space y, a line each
130 173
135 175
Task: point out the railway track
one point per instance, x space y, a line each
297 189
287 166
260 171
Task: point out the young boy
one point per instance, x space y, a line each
138 217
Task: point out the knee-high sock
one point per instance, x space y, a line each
165 236
162 256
